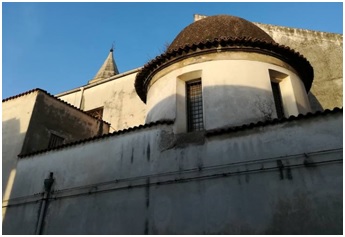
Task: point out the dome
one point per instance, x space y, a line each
217 34
217 27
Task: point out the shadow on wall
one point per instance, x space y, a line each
11 146
314 103
12 141
225 106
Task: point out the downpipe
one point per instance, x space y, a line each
81 98
48 183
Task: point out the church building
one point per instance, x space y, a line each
235 129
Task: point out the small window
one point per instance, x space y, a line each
277 99
55 141
97 113
194 106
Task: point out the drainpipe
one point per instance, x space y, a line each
48 183
81 97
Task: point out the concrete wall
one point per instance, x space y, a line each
51 116
232 94
264 180
122 106
16 115
325 53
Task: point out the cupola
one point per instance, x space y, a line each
224 71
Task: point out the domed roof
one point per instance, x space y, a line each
217 27
222 33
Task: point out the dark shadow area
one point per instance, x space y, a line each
12 221
11 146
314 103
51 116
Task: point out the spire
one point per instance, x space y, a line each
108 68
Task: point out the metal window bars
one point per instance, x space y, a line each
194 105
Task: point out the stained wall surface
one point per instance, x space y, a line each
28 120
232 95
325 53
263 180
122 107
51 116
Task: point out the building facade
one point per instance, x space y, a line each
36 120
227 132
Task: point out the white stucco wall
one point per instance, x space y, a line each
16 114
136 154
235 92
135 177
122 106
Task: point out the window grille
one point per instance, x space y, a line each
97 113
55 141
194 106
277 99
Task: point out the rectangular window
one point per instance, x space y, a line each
55 141
194 105
277 99
97 113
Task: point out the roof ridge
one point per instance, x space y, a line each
298 29
22 94
56 98
119 132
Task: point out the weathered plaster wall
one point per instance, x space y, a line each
325 53
53 116
23 223
122 106
248 93
256 181
16 115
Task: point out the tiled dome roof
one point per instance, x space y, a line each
222 33
216 27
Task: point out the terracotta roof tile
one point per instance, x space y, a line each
215 27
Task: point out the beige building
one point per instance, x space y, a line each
36 120
227 132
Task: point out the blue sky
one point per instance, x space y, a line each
61 46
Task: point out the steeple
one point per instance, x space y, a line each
108 68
